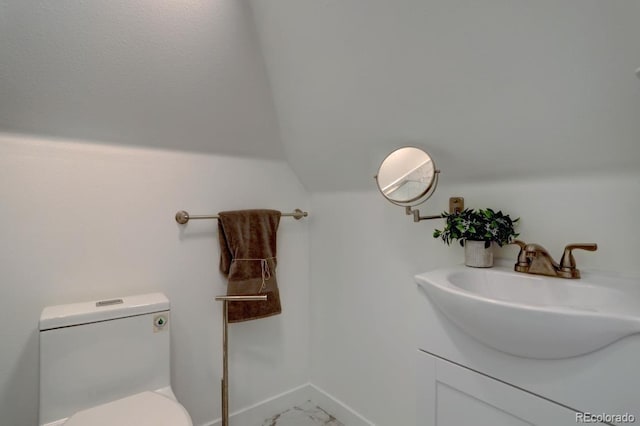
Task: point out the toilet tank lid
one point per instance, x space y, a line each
101 310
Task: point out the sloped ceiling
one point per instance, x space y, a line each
493 89
179 74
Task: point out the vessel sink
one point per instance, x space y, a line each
536 316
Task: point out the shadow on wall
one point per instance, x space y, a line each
185 234
22 379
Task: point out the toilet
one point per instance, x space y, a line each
107 362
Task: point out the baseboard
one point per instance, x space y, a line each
337 408
255 414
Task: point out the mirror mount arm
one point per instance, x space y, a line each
456 205
417 217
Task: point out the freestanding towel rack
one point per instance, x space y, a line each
182 217
225 366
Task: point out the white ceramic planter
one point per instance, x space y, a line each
476 255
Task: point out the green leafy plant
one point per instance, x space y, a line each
479 225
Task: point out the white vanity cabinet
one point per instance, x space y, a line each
463 381
451 395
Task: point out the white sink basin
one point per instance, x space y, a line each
535 316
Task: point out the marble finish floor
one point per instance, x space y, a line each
307 414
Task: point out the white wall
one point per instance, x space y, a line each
83 221
365 251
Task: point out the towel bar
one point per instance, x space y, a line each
183 217
242 298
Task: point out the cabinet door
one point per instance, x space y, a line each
450 395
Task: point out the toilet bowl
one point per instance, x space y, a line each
107 362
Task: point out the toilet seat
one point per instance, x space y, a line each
142 409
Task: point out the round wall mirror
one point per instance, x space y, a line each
407 176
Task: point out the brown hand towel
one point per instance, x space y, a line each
248 259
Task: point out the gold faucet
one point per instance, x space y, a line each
535 259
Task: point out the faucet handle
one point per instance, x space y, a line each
568 262
522 265
582 246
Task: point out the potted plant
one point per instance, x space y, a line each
476 230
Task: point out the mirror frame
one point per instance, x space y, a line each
422 197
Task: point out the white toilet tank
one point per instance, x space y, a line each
96 352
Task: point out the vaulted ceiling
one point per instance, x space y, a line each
491 88
185 75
